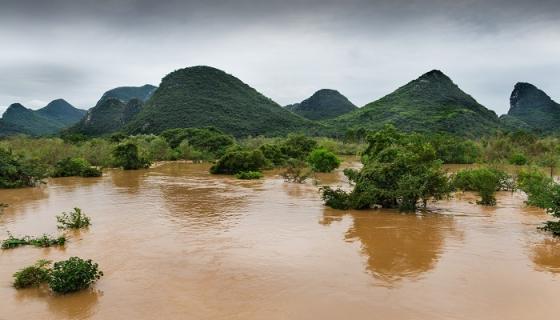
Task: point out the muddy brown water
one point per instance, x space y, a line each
177 243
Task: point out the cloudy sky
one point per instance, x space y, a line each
288 49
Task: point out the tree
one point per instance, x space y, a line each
322 160
17 172
126 156
484 181
236 161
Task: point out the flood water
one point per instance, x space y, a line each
177 243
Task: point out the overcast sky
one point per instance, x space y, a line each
76 50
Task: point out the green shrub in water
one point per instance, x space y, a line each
73 220
296 171
70 167
322 160
73 275
249 175
335 198
484 181
235 161
32 276
126 156
43 241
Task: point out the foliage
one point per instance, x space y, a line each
322 160
323 104
235 161
485 181
32 276
75 167
126 156
73 220
73 275
335 198
249 175
209 140
43 241
296 171
537 186
297 146
15 171
273 153
398 172
518 159
552 227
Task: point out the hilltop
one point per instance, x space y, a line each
323 104
533 107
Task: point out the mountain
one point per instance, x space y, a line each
8 129
61 111
510 123
108 116
431 103
126 94
57 115
534 107
323 104
204 96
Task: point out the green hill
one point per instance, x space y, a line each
323 104
203 96
126 94
61 111
108 116
431 103
534 107
8 129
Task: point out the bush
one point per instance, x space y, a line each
296 171
126 156
16 172
297 146
538 187
32 276
73 220
249 175
335 198
322 160
518 159
484 181
75 167
208 140
273 153
42 241
73 275
235 161
552 227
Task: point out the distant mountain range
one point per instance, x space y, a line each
57 115
323 104
203 96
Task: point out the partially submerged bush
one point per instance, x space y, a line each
42 241
537 185
249 175
69 167
32 276
552 227
484 181
335 198
235 161
73 275
296 171
126 156
17 172
323 160
66 276
73 220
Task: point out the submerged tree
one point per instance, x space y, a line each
484 181
398 173
126 156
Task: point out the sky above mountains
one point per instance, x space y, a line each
287 50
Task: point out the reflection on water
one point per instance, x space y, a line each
396 245
546 255
80 305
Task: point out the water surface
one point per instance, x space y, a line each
177 243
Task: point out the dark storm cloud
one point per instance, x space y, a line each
285 49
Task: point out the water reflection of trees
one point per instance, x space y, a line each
546 255
79 305
396 246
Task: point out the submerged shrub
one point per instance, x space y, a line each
484 181
42 241
552 227
249 175
73 220
235 161
335 198
296 171
75 167
32 276
73 275
17 172
126 156
323 160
